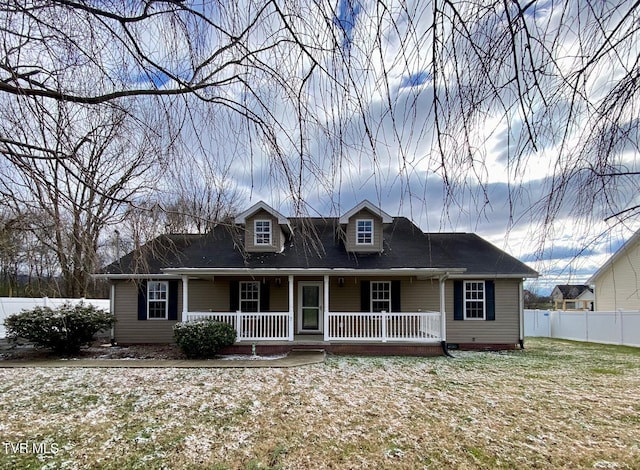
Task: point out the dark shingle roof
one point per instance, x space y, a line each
572 291
478 255
315 244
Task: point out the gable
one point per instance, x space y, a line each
384 217
628 254
570 292
362 228
364 232
263 233
617 282
265 229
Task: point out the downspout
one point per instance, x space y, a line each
521 313
443 317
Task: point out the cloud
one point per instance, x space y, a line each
348 144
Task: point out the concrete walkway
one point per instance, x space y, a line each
293 359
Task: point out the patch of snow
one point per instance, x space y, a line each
251 357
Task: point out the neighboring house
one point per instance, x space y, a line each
364 282
572 297
617 282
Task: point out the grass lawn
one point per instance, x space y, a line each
557 404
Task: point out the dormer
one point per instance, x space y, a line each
265 229
363 227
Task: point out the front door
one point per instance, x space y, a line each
310 311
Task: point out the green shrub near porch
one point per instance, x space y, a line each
203 339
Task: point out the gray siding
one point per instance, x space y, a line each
213 295
350 234
414 295
128 329
208 295
505 329
277 236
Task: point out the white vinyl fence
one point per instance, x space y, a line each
619 327
11 305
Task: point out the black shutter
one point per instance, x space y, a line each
365 296
490 292
142 300
234 296
395 296
173 300
264 296
458 300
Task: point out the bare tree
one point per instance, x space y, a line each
80 168
341 92
11 249
203 194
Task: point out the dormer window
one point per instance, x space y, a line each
262 232
364 232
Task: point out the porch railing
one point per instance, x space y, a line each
252 326
382 326
338 326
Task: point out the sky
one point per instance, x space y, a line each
504 210
490 198
358 121
380 147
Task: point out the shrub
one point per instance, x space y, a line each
64 330
203 339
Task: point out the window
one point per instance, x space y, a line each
474 300
364 232
157 299
250 296
381 296
262 232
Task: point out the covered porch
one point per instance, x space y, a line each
381 307
338 326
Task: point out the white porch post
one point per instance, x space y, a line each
325 308
112 308
291 310
185 297
443 313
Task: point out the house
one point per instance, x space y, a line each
617 282
572 297
364 282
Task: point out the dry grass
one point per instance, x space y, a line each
555 405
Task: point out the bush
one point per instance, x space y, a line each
64 330
203 339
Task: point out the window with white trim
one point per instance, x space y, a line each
380 296
157 300
474 300
249 296
364 232
262 232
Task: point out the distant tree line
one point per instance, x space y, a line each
533 300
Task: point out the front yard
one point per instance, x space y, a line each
556 404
